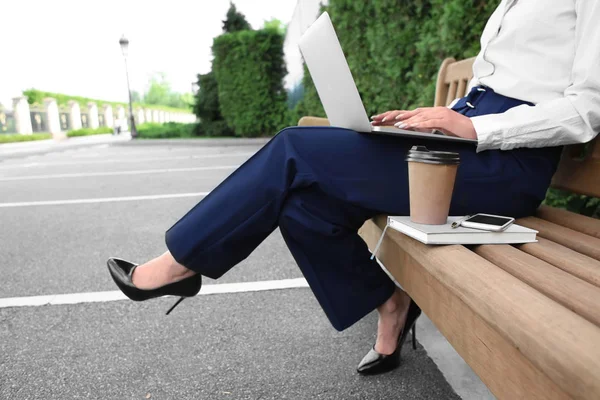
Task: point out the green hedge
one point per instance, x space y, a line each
167 130
249 69
35 96
207 107
394 49
12 138
89 131
585 205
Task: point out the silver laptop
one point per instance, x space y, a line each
333 80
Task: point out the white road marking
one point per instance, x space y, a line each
101 200
126 161
115 173
101 297
173 151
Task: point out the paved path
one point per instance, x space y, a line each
63 213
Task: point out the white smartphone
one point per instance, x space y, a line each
487 222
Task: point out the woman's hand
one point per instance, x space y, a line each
426 119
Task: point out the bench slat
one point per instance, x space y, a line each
557 341
580 242
500 365
580 223
568 260
577 295
452 80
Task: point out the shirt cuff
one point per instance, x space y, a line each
488 136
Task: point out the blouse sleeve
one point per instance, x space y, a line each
574 118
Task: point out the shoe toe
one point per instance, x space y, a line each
120 270
369 361
120 264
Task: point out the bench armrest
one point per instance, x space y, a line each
313 121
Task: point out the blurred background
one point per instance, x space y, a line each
218 68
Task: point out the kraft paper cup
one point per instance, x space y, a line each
431 177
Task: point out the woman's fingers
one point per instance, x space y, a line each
391 117
426 119
404 115
424 115
385 118
431 123
381 116
443 119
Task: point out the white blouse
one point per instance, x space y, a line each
546 52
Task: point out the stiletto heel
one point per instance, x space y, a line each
122 273
175 305
374 363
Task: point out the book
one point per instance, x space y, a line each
445 234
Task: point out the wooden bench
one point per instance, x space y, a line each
525 318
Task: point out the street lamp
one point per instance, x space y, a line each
124 48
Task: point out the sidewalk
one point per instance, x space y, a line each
36 147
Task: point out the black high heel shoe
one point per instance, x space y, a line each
374 363
122 272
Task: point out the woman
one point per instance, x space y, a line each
536 87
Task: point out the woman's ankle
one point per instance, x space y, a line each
175 270
160 271
392 315
397 303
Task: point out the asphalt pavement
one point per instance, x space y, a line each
62 214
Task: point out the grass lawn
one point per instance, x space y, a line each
14 138
89 131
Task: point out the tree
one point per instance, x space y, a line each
235 21
159 92
276 25
136 97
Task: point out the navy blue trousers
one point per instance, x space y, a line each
319 185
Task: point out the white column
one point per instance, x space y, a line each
22 116
140 117
121 121
108 115
147 115
74 115
155 116
120 112
93 115
52 116
161 117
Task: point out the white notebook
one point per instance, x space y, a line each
444 234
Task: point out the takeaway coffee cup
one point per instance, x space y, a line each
431 176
